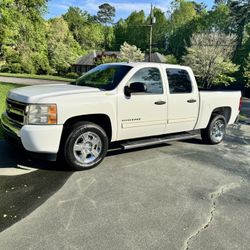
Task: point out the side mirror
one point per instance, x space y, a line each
135 87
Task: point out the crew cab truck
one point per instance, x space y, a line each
132 104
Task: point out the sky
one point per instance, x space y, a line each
123 7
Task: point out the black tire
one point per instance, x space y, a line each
207 134
77 132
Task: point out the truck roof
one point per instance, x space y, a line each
146 64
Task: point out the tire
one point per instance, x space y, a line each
85 146
215 131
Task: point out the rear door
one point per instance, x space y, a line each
183 99
143 114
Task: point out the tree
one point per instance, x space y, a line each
133 30
182 26
246 71
105 16
76 19
160 30
209 56
87 32
63 49
199 20
23 36
106 13
240 17
183 13
130 53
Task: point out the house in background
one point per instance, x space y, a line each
87 62
156 57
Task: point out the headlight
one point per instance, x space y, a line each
42 114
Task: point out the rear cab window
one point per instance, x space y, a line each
179 81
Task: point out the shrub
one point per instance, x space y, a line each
72 75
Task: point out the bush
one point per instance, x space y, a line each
72 75
171 59
14 68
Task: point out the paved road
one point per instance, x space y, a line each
183 195
25 81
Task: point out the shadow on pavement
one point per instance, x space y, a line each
25 184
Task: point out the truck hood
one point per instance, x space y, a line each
34 94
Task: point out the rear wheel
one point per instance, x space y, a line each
86 146
215 131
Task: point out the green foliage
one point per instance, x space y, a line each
72 75
22 31
171 59
224 69
4 89
209 56
160 29
62 47
183 13
246 71
133 30
87 32
130 53
107 59
199 20
76 19
182 26
30 44
240 17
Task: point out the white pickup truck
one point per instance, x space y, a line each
132 104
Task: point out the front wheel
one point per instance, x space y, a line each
215 131
86 146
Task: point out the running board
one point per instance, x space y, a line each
157 140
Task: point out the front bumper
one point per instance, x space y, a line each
35 138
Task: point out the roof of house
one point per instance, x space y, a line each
89 59
156 57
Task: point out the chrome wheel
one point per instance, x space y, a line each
87 147
218 131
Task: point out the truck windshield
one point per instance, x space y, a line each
105 77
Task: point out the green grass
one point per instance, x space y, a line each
4 89
42 77
243 117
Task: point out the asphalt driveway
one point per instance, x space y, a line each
183 195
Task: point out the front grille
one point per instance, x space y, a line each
16 111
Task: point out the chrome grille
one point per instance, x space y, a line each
16 111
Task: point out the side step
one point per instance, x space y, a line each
157 140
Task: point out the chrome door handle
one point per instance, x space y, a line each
191 100
160 103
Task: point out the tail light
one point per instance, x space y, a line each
240 104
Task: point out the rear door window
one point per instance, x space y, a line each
179 81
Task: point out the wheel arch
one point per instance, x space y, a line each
102 120
224 111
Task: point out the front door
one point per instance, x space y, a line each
143 114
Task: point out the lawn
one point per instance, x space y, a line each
4 88
43 77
